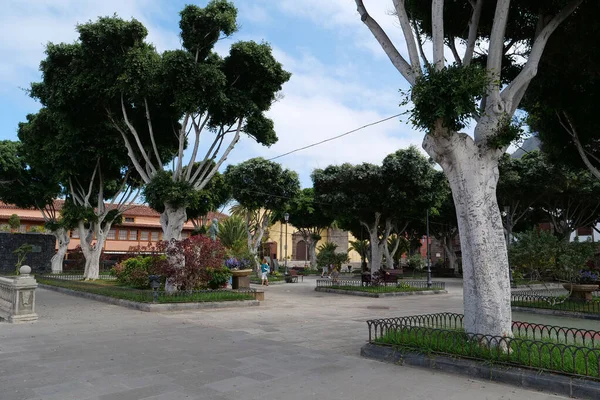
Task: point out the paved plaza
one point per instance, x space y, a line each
298 344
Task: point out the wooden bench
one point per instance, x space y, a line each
293 276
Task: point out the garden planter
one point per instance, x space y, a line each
241 278
581 291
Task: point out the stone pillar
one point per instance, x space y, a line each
18 297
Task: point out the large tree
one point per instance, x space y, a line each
28 187
309 217
261 187
158 104
446 97
383 199
562 100
93 169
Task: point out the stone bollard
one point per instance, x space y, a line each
17 297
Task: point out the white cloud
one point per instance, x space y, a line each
320 103
26 26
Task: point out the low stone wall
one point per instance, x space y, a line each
17 297
44 247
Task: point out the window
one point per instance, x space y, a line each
184 235
129 219
122 234
133 235
155 236
144 235
22 228
112 234
75 234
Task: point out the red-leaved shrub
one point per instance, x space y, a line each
187 261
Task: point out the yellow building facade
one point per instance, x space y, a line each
297 248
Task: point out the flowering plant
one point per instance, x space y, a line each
234 263
587 277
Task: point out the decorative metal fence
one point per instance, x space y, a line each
344 282
559 302
149 296
569 351
76 276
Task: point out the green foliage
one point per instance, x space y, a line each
38 229
307 214
144 296
540 254
162 189
327 256
565 89
22 251
14 222
134 271
213 196
534 252
361 247
232 234
260 184
416 262
450 95
507 131
217 277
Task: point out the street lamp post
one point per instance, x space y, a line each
429 284
286 216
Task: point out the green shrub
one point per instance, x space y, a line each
14 222
134 271
217 277
416 262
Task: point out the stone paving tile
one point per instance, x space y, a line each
87 350
233 384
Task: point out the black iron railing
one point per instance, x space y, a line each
382 287
569 351
149 296
559 302
78 276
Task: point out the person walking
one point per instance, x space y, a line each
324 271
264 269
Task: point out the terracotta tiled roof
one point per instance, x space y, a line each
140 210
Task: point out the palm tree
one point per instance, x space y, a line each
232 233
362 248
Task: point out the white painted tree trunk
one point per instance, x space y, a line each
375 259
450 253
312 253
62 237
473 176
92 251
172 220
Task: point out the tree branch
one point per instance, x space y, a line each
452 46
386 44
181 138
530 69
437 35
205 180
495 54
151 131
408 36
473 28
580 149
419 43
136 136
198 130
130 152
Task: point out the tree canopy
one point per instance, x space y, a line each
562 99
156 104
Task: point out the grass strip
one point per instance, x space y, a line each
144 296
568 305
539 354
379 289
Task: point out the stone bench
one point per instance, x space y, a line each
17 297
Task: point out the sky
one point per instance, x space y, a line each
341 78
